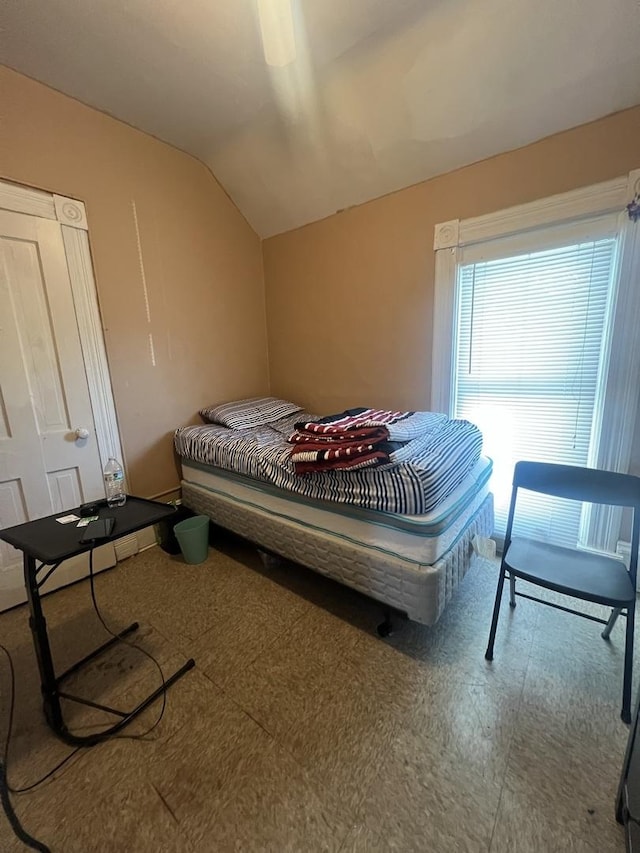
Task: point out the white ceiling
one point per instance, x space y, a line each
383 93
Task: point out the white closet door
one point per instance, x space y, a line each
49 457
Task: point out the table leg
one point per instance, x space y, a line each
38 625
49 682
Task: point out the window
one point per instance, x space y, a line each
533 341
530 344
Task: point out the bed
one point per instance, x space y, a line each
363 536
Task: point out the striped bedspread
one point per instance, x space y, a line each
435 455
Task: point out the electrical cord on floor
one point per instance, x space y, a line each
7 806
132 646
12 817
5 787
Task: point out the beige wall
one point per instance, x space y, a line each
202 262
350 298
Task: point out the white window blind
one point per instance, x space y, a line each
531 347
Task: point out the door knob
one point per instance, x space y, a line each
81 432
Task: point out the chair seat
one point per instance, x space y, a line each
583 574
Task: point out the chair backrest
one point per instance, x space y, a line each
590 485
582 484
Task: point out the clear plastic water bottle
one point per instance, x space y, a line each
114 483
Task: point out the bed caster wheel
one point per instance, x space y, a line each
385 629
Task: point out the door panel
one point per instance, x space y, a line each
44 467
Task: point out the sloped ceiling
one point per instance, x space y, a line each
382 94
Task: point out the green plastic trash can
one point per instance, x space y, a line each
165 536
193 537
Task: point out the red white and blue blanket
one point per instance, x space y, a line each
356 438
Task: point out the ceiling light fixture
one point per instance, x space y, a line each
278 33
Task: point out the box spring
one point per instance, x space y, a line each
419 589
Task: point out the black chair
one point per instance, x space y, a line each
579 573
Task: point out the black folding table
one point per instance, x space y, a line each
48 541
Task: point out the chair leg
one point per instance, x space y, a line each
512 590
628 664
496 611
608 628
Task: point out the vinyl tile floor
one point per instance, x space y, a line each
300 730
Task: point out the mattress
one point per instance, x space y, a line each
422 539
424 470
413 585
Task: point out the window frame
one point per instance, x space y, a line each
602 525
